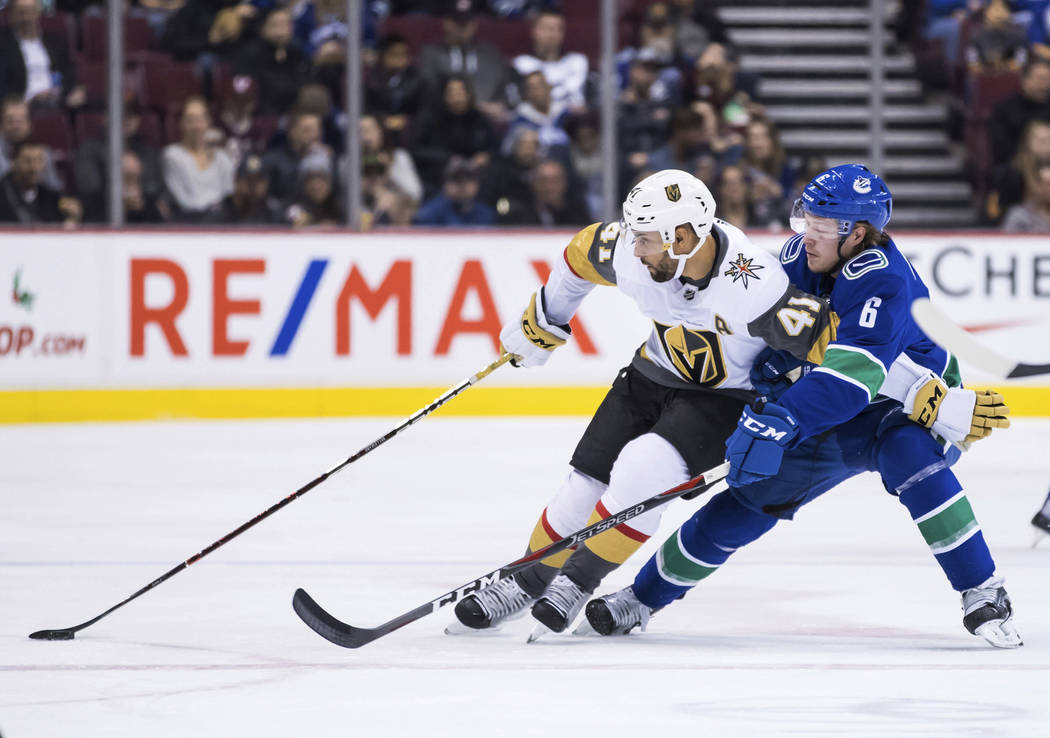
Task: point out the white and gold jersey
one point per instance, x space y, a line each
706 334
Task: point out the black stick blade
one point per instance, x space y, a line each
326 626
64 634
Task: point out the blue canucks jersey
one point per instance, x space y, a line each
872 297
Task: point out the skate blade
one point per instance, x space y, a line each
585 629
1040 536
538 632
1000 633
456 628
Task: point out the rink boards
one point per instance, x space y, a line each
138 325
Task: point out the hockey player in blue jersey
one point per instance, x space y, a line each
834 422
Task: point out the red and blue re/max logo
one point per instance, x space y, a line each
395 288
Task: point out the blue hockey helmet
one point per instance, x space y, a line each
848 193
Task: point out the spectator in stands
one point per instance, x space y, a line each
944 19
513 9
657 32
565 71
460 53
315 202
198 176
696 27
643 120
36 65
282 164
140 207
16 127
275 62
539 111
91 170
250 202
999 44
452 126
808 169
741 203
394 87
321 31
690 139
396 163
388 205
718 81
25 199
772 174
157 13
733 197
1039 28
238 126
553 202
506 179
1032 215
1009 118
458 203
202 31
585 157
1008 180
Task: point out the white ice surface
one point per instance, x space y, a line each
838 623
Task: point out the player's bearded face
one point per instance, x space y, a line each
650 248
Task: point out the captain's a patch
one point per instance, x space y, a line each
742 269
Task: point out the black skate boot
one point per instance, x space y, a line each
617 613
493 605
987 613
558 607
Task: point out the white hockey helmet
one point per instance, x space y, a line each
663 201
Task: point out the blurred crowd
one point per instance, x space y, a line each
475 112
993 57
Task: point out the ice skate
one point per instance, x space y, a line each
987 613
490 607
558 606
617 613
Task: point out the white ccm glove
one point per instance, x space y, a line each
955 414
531 338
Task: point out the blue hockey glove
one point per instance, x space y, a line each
773 372
756 448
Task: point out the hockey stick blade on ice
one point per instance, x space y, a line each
65 634
949 334
349 636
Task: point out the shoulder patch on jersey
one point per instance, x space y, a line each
743 269
589 253
790 250
866 261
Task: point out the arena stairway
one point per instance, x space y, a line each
812 57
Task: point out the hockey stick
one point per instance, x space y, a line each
65 634
349 636
946 332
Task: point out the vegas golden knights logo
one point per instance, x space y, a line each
697 355
673 193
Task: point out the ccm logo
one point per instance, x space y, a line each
762 430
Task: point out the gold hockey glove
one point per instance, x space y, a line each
532 338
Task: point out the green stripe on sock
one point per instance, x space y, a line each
678 568
949 525
855 365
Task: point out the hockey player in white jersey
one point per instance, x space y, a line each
716 301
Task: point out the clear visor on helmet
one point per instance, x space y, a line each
815 225
648 243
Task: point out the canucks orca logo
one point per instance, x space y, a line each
673 193
742 269
696 355
862 185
